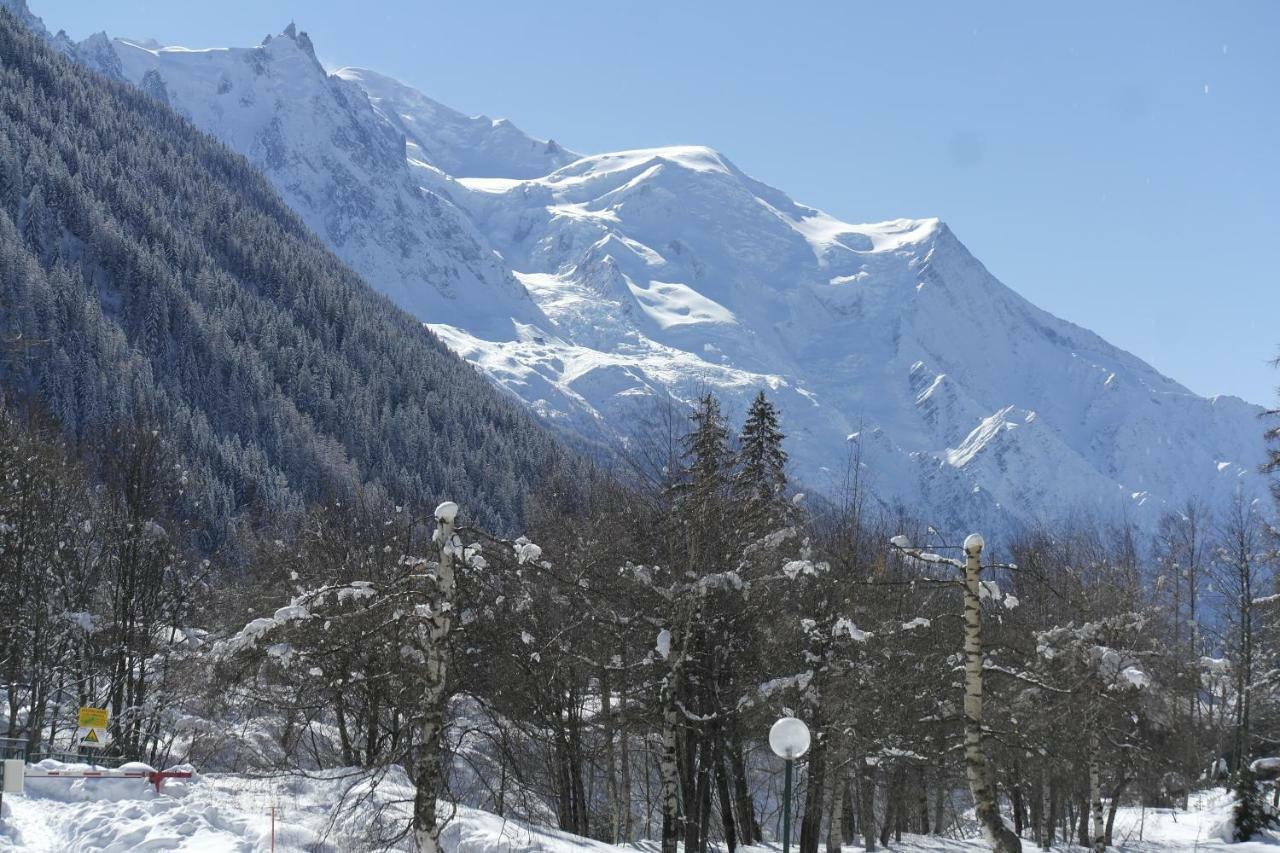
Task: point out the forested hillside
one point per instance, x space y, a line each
149 276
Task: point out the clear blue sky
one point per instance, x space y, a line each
1116 163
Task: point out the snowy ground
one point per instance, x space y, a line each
221 813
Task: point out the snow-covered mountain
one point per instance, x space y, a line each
670 268
455 143
591 286
342 167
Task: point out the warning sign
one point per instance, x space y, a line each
92 718
91 738
93 728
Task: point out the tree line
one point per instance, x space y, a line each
613 672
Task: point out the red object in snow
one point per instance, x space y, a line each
153 777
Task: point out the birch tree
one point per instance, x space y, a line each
410 613
1000 837
433 594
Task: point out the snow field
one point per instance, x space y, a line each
350 811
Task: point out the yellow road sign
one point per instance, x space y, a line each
91 738
93 718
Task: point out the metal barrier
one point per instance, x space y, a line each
14 772
13 747
71 756
154 777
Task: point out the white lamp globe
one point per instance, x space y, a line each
973 543
789 738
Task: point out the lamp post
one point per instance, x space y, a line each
789 739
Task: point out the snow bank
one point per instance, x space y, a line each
338 811
349 811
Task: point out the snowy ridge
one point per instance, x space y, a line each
342 168
457 144
591 286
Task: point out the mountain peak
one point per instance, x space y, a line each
98 53
18 8
303 40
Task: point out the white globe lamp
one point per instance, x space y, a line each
789 739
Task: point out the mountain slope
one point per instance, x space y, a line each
342 168
669 271
671 268
161 279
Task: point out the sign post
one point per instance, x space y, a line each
93 728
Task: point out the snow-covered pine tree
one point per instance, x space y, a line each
760 509
760 481
701 511
1251 815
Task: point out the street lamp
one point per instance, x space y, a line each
789 739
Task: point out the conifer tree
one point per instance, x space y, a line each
706 456
1251 815
761 479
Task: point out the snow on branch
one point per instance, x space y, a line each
903 544
845 626
525 551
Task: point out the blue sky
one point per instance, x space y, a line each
1116 163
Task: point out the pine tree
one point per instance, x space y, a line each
708 463
761 479
1251 813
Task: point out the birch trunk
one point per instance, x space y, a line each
669 763
975 758
1117 793
668 768
1099 838
433 635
